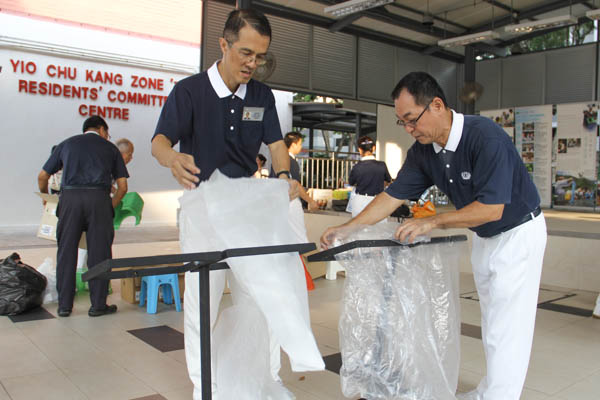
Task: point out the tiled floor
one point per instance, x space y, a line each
111 358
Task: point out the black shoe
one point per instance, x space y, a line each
64 313
106 310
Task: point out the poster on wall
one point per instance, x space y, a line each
505 117
575 147
533 138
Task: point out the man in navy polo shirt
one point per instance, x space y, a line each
476 164
220 117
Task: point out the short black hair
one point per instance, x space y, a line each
422 86
262 159
238 19
94 121
365 143
291 138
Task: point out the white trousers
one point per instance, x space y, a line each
192 321
507 270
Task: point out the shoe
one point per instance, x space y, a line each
64 313
106 310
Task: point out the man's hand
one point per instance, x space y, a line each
294 190
413 227
312 205
184 169
182 165
329 236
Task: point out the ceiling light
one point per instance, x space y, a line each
593 14
468 39
353 6
546 23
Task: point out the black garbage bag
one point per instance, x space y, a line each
21 286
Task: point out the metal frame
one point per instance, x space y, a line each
202 263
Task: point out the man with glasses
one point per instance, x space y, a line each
220 117
90 163
473 161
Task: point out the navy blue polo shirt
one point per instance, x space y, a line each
369 176
218 128
87 160
484 166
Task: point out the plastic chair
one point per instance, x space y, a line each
150 287
131 205
81 286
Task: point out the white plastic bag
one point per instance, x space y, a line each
400 322
247 212
246 360
48 269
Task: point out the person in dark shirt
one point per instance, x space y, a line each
473 161
90 162
369 176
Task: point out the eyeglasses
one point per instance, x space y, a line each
413 122
248 56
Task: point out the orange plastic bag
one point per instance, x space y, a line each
426 210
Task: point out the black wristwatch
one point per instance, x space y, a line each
283 172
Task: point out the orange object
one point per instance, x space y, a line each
310 285
426 210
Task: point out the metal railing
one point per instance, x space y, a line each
325 173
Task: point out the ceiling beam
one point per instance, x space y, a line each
342 23
501 5
324 22
421 13
383 15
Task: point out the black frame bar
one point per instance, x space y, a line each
329 254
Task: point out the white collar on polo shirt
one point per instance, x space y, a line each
94 132
292 155
219 85
458 121
365 158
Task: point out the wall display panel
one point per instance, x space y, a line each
523 80
575 149
505 117
533 138
214 20
393 141
570 74
488 74
333 66
290 45
445 73
376 65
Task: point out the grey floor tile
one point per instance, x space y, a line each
51 385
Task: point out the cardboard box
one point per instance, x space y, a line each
130 288
47 229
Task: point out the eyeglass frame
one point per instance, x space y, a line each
259 59
413 122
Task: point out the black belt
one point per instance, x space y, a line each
365 194
528 217
93 187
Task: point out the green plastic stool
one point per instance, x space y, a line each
131 205
80 285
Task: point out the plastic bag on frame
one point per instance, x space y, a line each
400 319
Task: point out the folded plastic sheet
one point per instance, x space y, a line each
400 324
247 212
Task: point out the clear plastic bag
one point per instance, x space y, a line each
48 269
400 319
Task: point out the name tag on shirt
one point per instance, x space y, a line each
253 113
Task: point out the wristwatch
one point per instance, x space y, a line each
283 172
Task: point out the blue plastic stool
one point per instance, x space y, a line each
150 287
